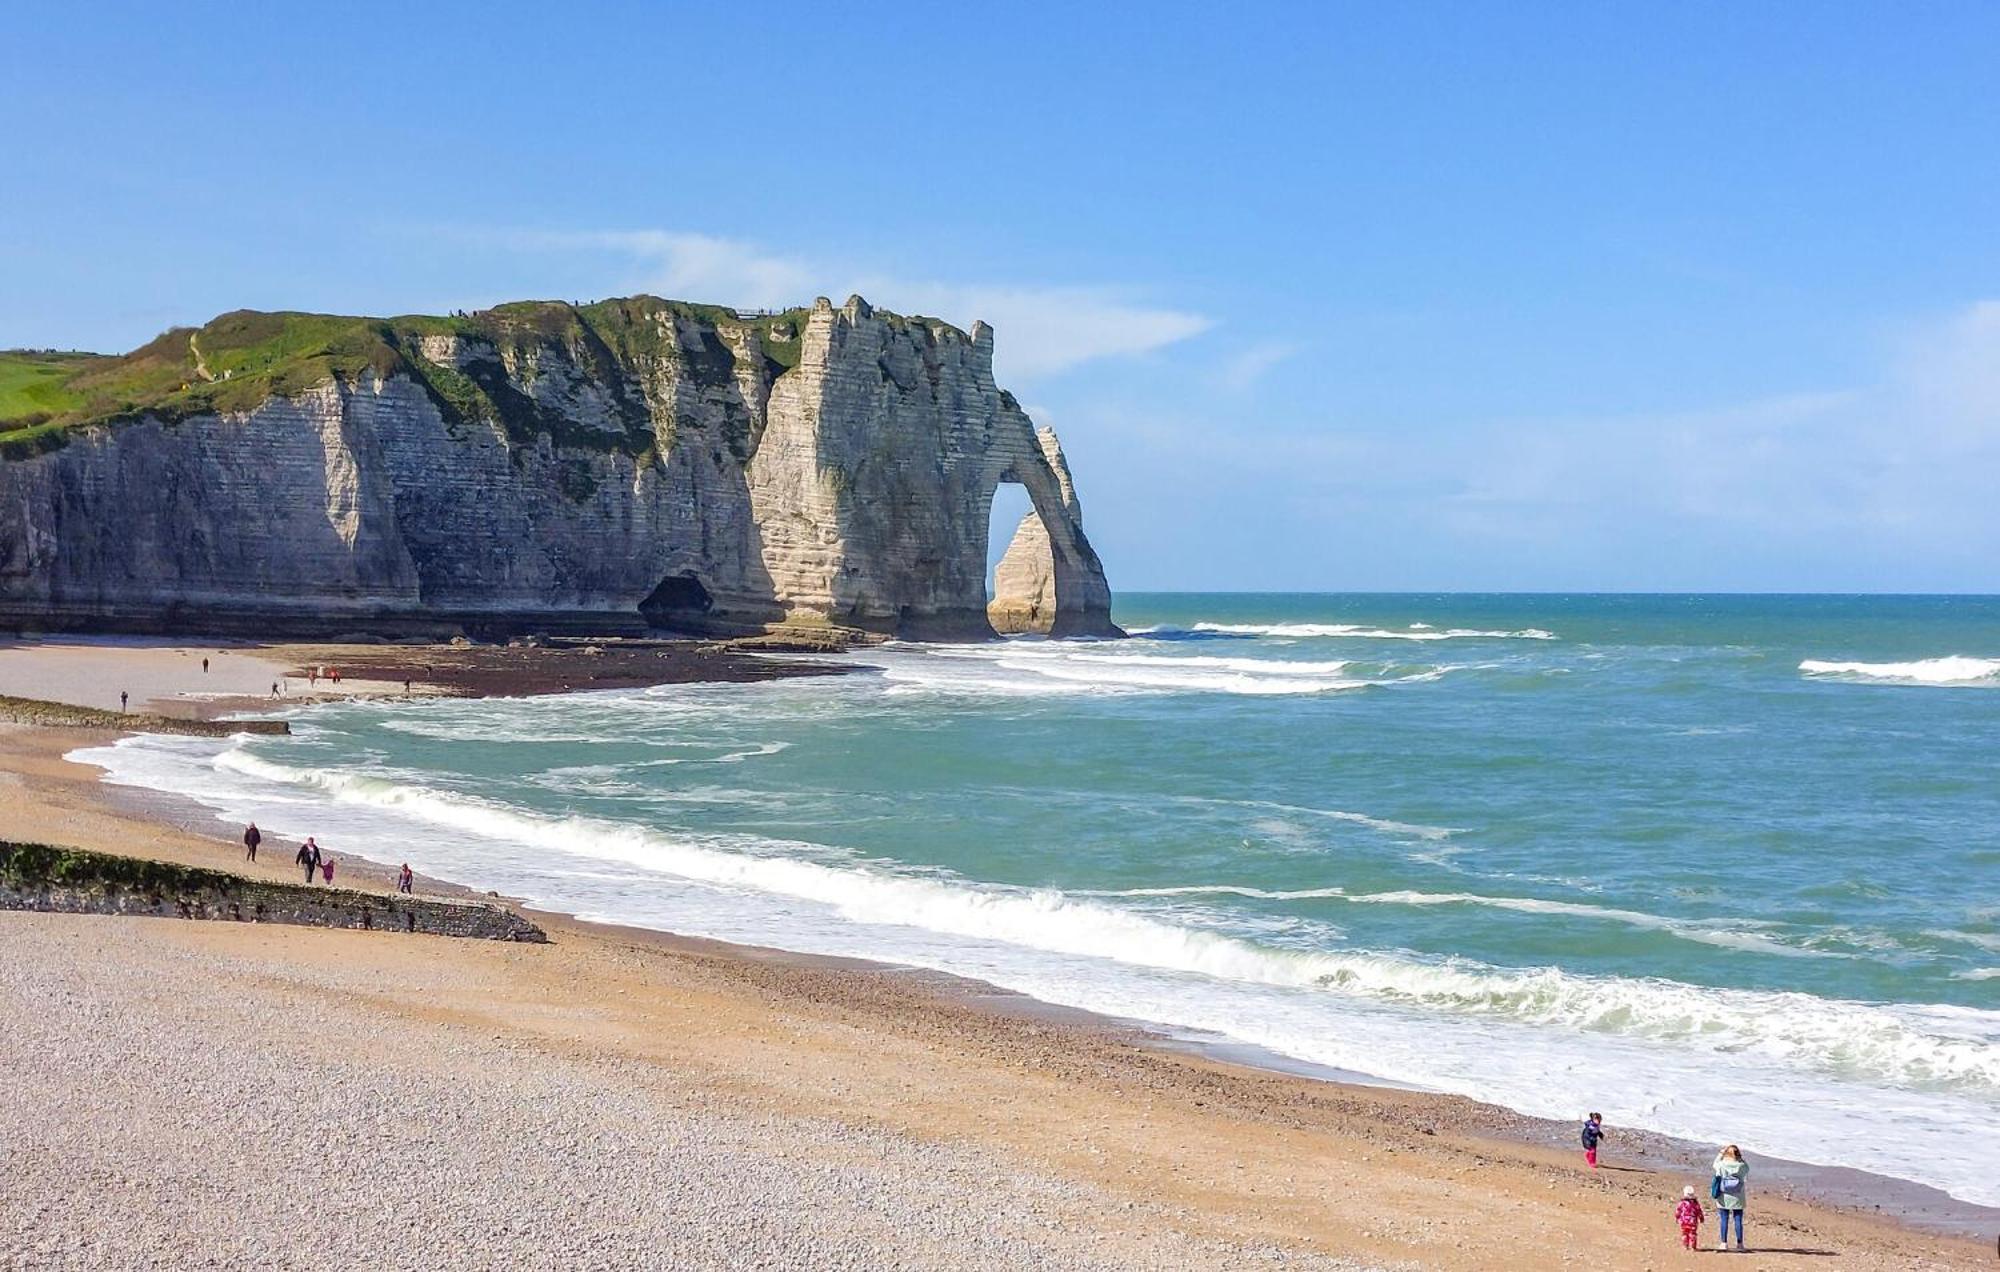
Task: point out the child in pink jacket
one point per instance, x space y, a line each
1689 1215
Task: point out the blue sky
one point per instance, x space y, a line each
1322 296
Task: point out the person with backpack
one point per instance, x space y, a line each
1593 1134
1730 1188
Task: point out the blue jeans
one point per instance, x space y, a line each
1722 1217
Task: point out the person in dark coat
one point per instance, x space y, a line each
308 857
1593 1134
251 838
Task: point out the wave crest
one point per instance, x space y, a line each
1904 1045
1956 669
1415 631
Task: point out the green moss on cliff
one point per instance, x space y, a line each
241 359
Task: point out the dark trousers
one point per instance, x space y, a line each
310 867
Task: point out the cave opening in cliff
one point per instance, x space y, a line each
679 602
1020 566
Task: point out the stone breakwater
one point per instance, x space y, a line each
53 880
630 466
63 715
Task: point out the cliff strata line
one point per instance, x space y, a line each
614 467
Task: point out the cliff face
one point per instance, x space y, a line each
560 469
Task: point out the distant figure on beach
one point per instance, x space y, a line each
406 686
123 698
404 879
333 674
251 838
1730 1188
204 666
308 857
274 688
1593 1134
1689 1216
312 676
326 869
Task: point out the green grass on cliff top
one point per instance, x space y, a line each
240 359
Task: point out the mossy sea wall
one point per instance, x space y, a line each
63 715
50 879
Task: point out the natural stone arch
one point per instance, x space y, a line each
873 483
1025 592
1043 582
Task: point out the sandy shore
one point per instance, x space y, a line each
231 678
188 1092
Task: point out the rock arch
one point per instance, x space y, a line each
1033 579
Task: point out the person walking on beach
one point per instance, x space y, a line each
251 838
326 870
404 879
1729 1188
204 666
1593 1134
308 857
1689 1216
123 698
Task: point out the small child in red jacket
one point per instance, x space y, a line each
1689 1215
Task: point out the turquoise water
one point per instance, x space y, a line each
1726 867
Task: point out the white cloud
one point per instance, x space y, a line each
1038 330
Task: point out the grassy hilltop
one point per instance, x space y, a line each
241 358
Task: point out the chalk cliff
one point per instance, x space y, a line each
618 466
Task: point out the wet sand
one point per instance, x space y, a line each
207 681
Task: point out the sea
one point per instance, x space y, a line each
1723 867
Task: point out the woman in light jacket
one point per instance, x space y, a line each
1729 1188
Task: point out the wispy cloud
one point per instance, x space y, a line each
1039 329
1243 369
1887 481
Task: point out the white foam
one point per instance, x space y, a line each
1954 670
1721 934
1384 824
1225 890
1904 1090
1416 631
1851 1038
1038 668
1727 935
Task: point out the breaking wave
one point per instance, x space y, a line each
1029 668
1725 934
1954 670
1415 631
1906 1046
